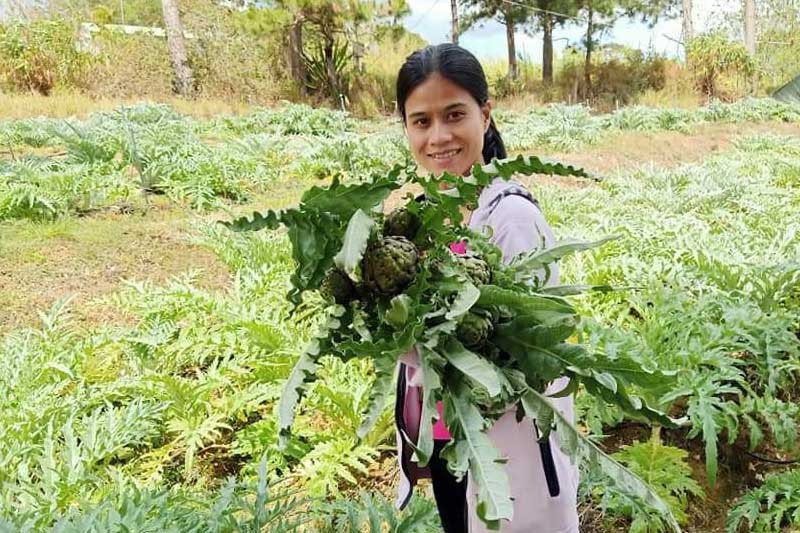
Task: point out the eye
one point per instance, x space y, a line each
422 122
455 115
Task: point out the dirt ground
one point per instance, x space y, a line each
87 258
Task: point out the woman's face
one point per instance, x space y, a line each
445 126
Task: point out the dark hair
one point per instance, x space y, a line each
459 66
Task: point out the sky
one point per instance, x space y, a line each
431 20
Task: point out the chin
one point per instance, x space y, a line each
456 168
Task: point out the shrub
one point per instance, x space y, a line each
41 55
713 55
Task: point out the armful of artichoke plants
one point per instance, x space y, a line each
487 334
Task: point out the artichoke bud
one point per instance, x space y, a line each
476 268
337 287
390 265
474 330
402 223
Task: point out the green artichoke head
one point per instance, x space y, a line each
337 287
476 268
390 265
402 223
474 330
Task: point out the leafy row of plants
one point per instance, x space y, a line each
51 168
567 128
715 288
159 413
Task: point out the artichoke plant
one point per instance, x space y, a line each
390 265
473 331
403 223
337 287
476 268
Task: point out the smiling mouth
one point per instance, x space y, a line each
445 155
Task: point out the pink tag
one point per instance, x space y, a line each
459 247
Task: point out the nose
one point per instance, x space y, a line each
439 134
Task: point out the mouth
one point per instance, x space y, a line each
443 156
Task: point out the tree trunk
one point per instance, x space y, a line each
688 25
184 80
454 13
296 65
750 37
587 67
330 67
547 49
513 72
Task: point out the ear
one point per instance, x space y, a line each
486 110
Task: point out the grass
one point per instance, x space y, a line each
64 104
87 258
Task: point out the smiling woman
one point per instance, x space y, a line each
444 103
447 118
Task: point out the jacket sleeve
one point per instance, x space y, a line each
519 226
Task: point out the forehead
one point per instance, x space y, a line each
436 94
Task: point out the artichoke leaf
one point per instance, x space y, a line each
382 388
431 392
538 259
578 447
356 237
465 299
486 466
472 365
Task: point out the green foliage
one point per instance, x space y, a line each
716 289
42 55
662 467
524 353
711 55
372 512
770 507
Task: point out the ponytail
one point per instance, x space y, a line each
493 145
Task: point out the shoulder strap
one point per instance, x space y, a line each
512 191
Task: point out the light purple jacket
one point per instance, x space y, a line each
517 226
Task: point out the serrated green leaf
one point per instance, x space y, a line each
464 301
486 469
524 264
578 447
258 221
574 290
382 388
472 365
542 308
431 393
343 200
303 373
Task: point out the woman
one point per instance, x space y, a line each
442 97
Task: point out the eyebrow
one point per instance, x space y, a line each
446 109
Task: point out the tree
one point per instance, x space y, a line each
688 26
750 37
184 80
454 13
548 14
321 34
509 15
601 14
